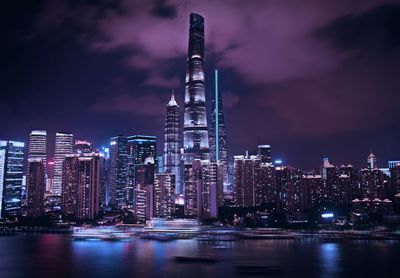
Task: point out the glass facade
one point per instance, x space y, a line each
11 175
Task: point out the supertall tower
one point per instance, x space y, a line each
195 133
172 142
218 142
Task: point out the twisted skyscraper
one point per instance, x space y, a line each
195 133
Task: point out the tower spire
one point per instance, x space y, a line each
172 101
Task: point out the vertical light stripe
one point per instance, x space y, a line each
216 118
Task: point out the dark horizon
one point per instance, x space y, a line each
312 80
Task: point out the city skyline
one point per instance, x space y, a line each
319 107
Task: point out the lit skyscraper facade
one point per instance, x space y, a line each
38 146
140 148
119 171
218 141
164 195
195 132
64 146
80 187
172 135
11 175
202 189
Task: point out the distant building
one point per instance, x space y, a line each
63 146
140 148
395 180
36 185
313 187
144 190
38 145
11 176
80 186
172 143
393 163
246 179
119 171
82 146
203 189
164 195
289 190
264 153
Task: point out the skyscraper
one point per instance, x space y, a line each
80 187
164 195
195 132
144 194
11 175
264 153
82 146
119 171
64 146
201 197
38 146
140 148
218 141
172 135
36 185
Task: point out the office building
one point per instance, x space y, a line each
36 186
38 146
11 176
63 146
119 171
164 195
80 186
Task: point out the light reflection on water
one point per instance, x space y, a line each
59 256
330 259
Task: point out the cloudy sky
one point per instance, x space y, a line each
311 78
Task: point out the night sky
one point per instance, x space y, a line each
311 78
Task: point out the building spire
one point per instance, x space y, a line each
172 102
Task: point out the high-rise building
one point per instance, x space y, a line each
140 148
64 146
36 184
218 140
119 171
195 130
80 186
82 146
201 194
172 143
265 190
50 179
164 195
264 153
313 186
246 179
38 146
11 176
144 190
